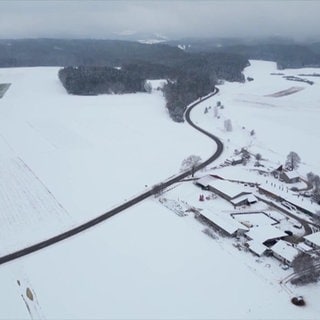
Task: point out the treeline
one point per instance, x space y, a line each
70 52
98 80
285 52
187 88
188 79
197 77
92 67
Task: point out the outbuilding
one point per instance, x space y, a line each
265 234
222 222
290 176
284 252
313 240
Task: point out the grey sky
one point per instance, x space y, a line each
101 19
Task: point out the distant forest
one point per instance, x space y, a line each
285 52
112 66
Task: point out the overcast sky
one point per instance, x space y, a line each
101 19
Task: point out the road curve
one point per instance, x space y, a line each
67 234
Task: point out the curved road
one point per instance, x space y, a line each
128 204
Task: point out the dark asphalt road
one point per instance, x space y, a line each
46 243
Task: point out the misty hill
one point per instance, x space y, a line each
59 52
285 52
89 67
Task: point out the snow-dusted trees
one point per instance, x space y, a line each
314 181
304 265
190 163
228 125
293 161
147 86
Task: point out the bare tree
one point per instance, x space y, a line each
293 161
190 163
304 265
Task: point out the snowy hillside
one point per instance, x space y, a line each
65 159
76 157
289 122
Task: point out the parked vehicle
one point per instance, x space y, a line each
288 205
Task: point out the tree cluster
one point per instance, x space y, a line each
314 181
184 90
305 266
97 80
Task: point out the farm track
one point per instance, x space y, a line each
161 186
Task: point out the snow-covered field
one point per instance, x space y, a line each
79 156
281 124
65 159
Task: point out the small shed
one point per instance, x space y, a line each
290 176
236 160
284 252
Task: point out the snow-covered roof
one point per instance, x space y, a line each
205 180
257 247
264 233
223 221
237 158
250 197
292 174
230 189
290 197
285 250
304 247
314 238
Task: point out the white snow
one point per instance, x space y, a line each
65 159
282 124
77 157
292 174
146 263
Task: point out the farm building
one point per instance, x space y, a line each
290 176
256 247
313 240
265 234
236 160
284 252
205 181
223 223
232 192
